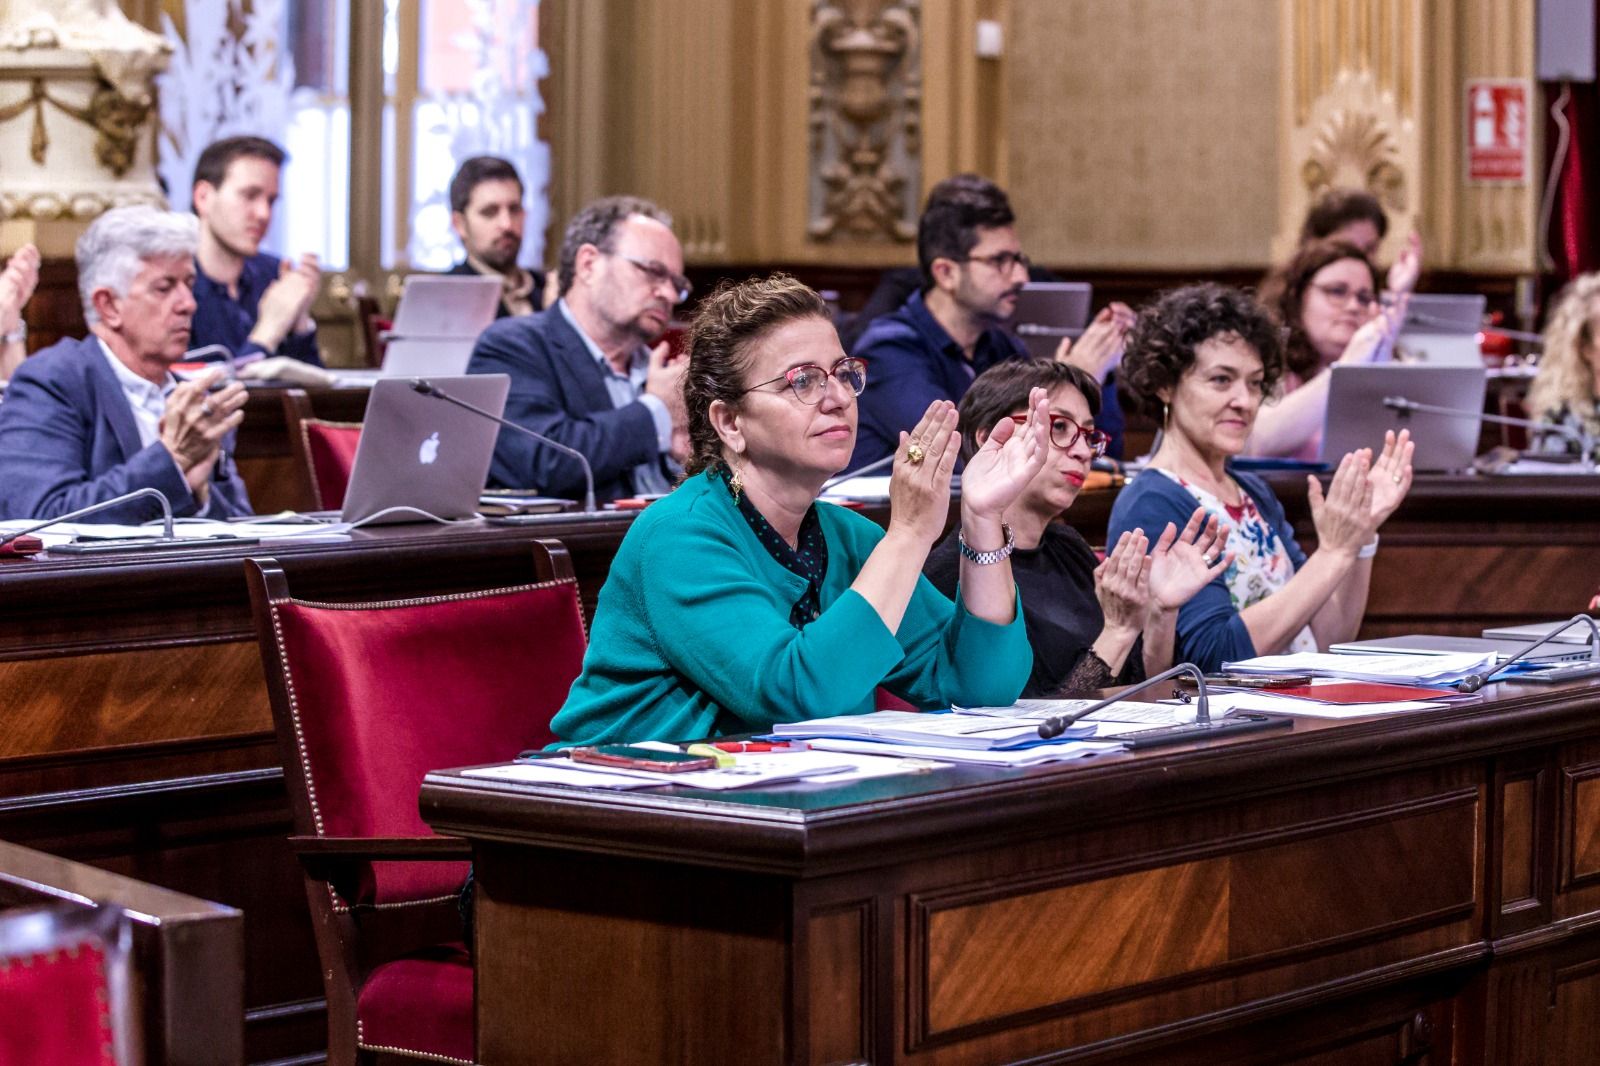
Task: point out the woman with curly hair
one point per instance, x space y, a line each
1565 390
738 601
1201 359
1330 307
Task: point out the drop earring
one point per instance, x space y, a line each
735 483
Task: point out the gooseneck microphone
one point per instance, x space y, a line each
104 505
428 388
1473 682
1583 438
876 464
1203 726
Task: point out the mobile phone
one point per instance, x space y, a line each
1257 681
636 758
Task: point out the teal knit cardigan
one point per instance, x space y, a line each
692 637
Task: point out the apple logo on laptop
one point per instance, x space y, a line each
429 450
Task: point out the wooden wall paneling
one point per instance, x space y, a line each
1573 1037
1139 132
837 982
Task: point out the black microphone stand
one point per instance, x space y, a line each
1473 682
1584 440
105 505
1203 727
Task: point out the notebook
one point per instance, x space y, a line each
423 454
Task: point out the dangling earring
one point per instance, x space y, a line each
735 483
1165 411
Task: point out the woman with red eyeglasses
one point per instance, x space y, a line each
1091 623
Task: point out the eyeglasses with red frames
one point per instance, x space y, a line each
1064 433
808 380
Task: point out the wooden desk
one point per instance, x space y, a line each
1414 889
138 736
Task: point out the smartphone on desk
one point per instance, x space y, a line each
1253 681
630 757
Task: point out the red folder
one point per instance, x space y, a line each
1362 692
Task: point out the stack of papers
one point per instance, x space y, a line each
747 771
1304 707
1394 669
183 529
928 729
1113 720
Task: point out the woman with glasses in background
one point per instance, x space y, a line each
1332 311
1091 623
739 601
1202 358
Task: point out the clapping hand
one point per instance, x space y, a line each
919 484
1008 460
1374 341
1344 515
1099 350
1181 564
17 282
1122 583
1407 266
1390 477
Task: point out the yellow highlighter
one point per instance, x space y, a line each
724 759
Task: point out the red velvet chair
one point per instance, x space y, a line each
65 978
324 452
366 698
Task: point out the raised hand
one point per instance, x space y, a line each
1183 563
1390 477
1100 348
1008 460
919 484
1343 517
1374 341
17 282
1122 583
1407 266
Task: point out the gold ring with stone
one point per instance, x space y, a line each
915 454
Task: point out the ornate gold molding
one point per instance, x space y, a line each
114 117
865 119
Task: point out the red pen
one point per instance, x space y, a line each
756 745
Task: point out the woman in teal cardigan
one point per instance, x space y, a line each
740 601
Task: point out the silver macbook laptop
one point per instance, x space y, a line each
1049 310
1357 414
1525 634
1423 644
421 454
437 323
1442 330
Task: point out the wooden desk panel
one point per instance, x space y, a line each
1318 895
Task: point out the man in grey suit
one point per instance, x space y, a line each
89 420
583 371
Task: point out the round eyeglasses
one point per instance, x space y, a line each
1064 433
808 380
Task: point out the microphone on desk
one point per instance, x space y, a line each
1422 318
1203 726
1584 439
1473 682
876 464
428 388
106 505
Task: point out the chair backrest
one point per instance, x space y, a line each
368 697
325 452
99 968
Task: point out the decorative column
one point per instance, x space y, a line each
865 120
76 117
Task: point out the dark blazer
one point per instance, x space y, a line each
537 296
68 439
557 389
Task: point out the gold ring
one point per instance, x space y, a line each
915 454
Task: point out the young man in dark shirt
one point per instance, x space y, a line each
251 303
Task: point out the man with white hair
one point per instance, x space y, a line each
89 420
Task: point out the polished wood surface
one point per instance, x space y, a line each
139 737
1319 894
188 953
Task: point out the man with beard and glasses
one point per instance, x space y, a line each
251 303
950 331
584 371
487 214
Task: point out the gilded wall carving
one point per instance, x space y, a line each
865 115
1142 134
